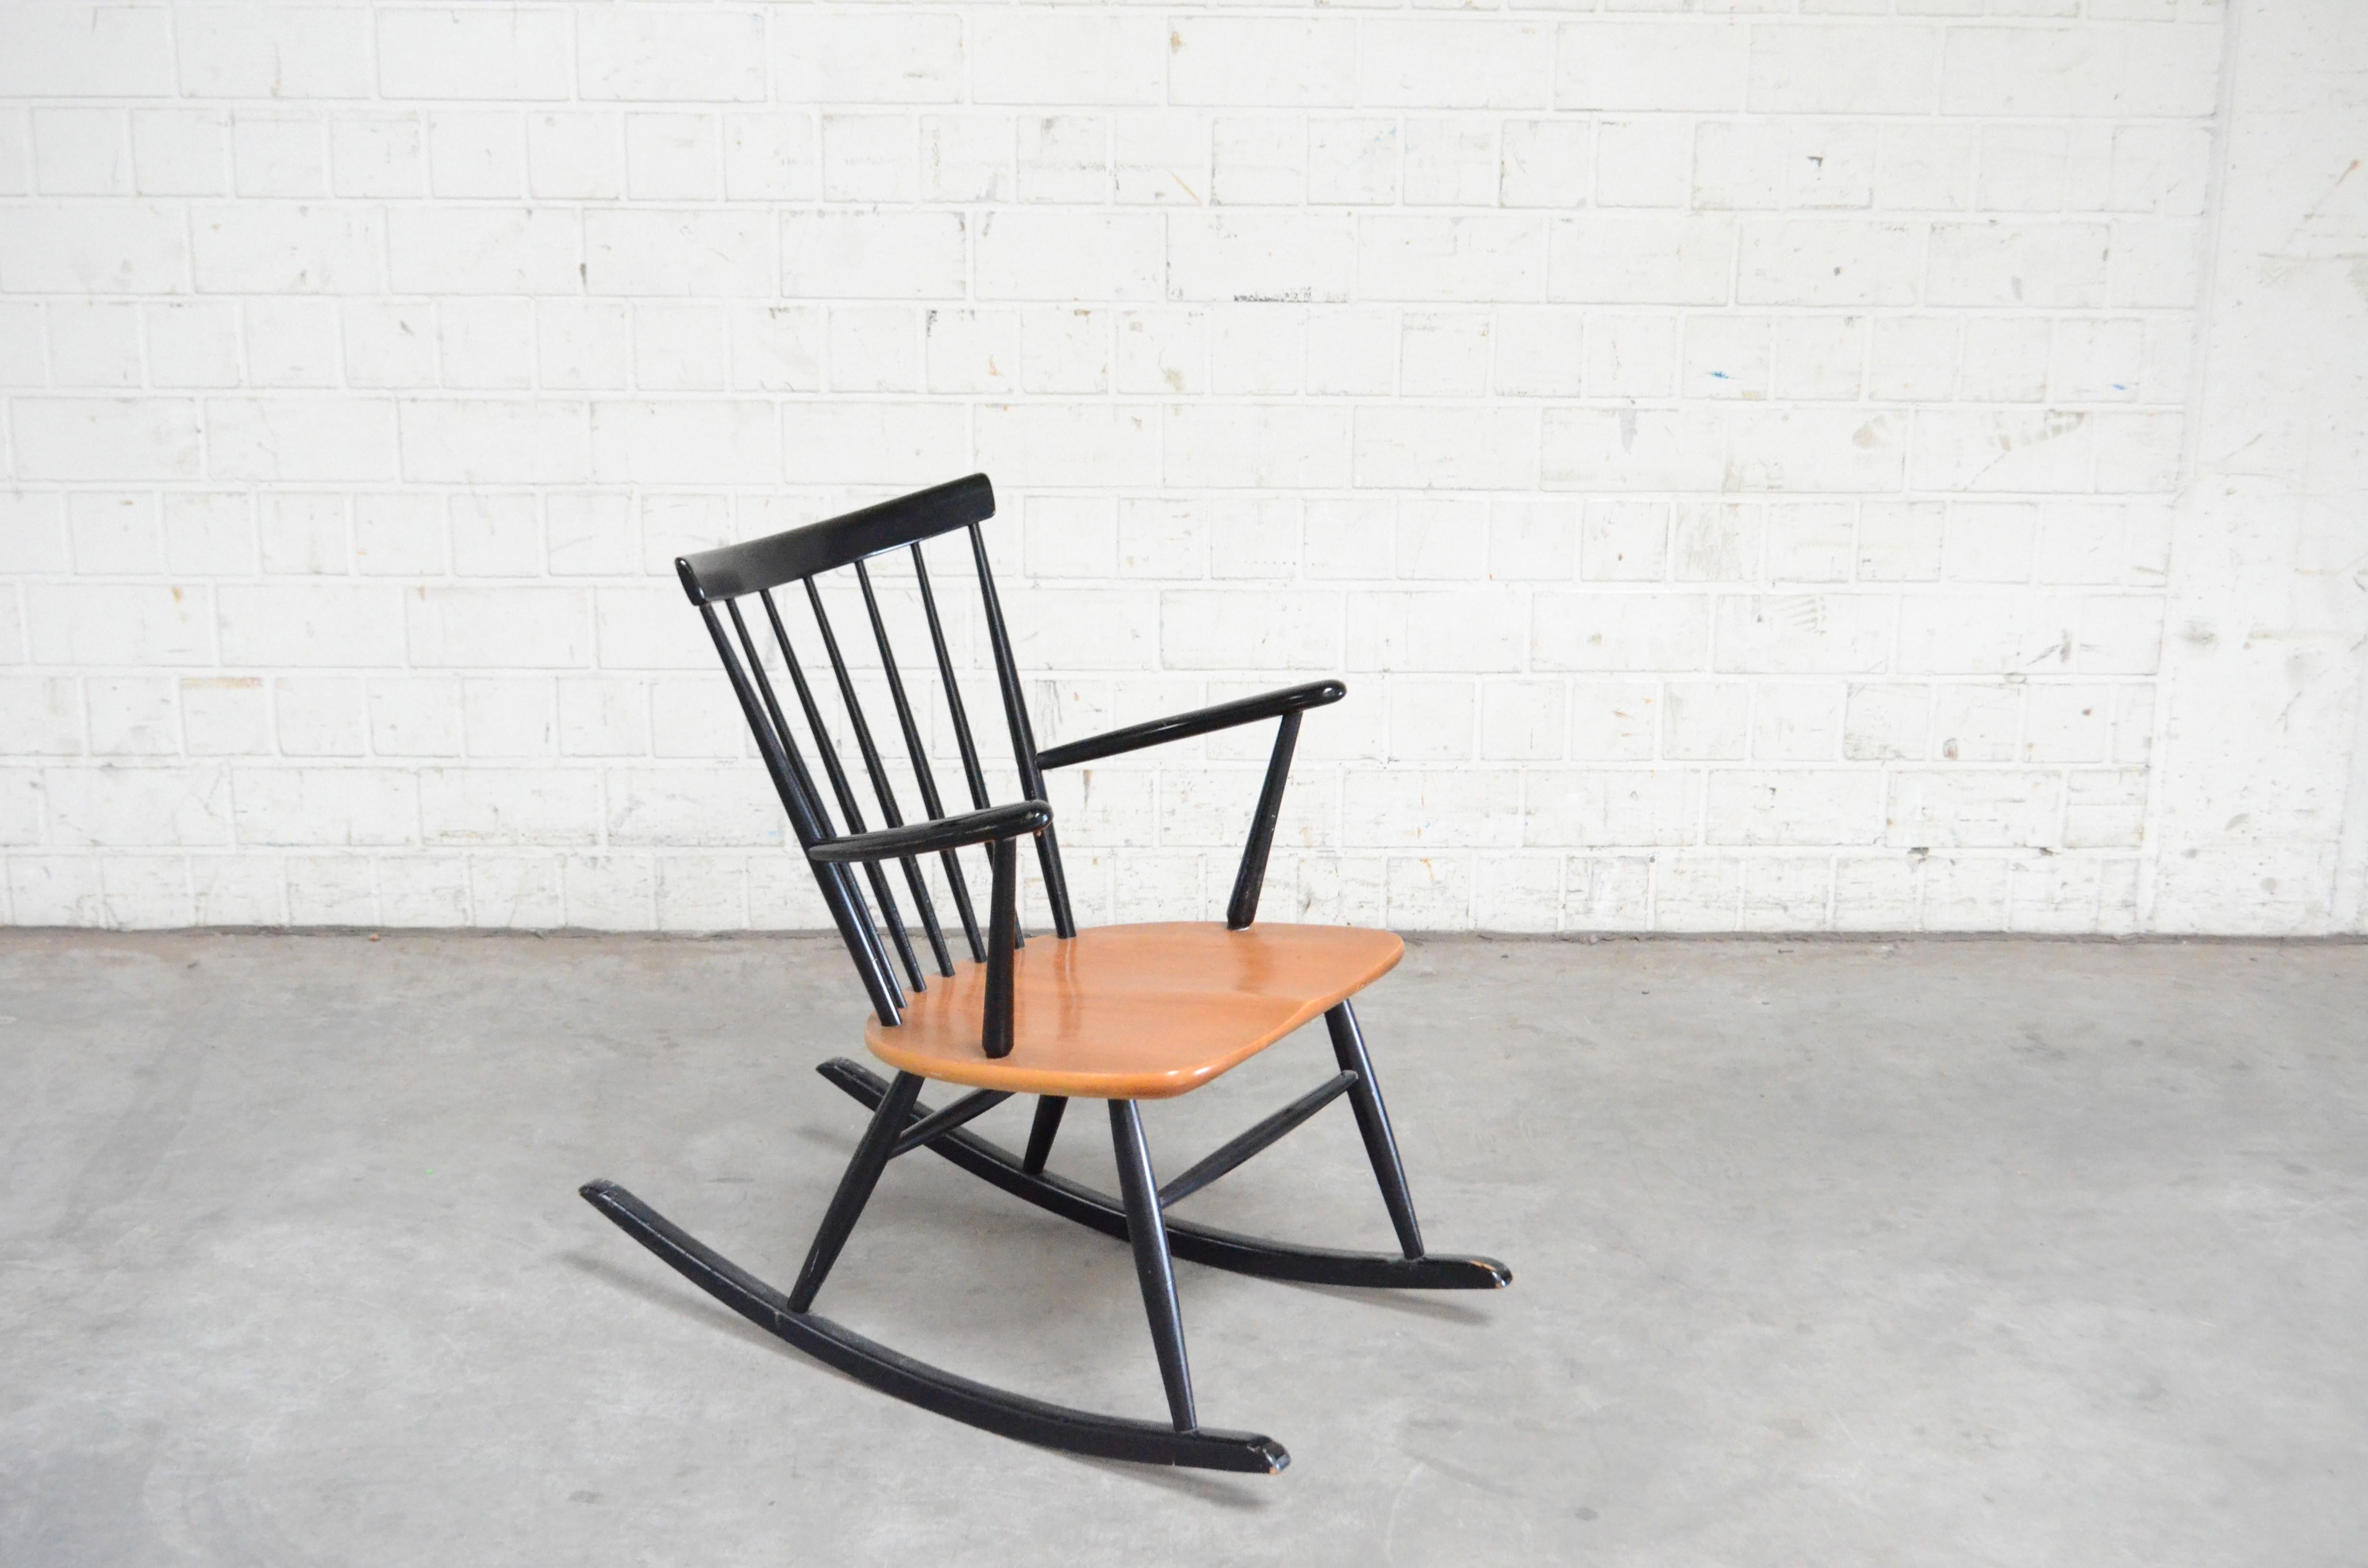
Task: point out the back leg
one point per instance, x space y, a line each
1373 1123
1046 1127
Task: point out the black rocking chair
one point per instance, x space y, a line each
1120 1014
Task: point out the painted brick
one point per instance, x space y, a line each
479 441
1462 63
882 255
116 248
118 439
884 58
1265 63
1827 263
645 53
685 442
1242 257
1067 57
344 806
1609 807
275 51
483 250
1274 445
1064 255
1798 806
510 805
1464 258
457 53
1076 443
1842 69
1969 808
85 50
1619 632
1621 259
1659 65
1712 439
874 443
320 437
2124 71
1634 448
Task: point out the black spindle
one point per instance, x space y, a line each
1023 739
922 773
972 774
790 781
847 805
880 785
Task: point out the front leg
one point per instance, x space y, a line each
1153 1267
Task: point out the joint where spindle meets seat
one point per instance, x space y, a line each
1124 1014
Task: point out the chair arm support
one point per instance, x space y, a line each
1200 722
998 827
1250 880
991 825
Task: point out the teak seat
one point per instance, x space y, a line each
1136 1012
1121 1014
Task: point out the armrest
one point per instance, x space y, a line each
1200 722
927 837
998 827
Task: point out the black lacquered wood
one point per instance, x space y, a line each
848 806
1046 1127
1013 1416
972 774
877 771
957 711
1147 1236
842 876
889 1121
1023 738
968 1108
1013 821
1250 880
1200 722
775 742
1256 1140
924 776
737 569
1374 1125
1204 1245
1002 936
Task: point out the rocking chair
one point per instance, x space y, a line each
1121 1014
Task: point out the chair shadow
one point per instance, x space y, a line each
1414 1303
694 1305
1247 1495
686 1301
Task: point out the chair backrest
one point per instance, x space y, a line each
724 578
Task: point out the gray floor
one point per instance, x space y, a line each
1974 1252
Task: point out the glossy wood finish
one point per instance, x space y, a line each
1136 1012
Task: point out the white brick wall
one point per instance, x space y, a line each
1732 448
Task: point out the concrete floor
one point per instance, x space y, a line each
1971 1251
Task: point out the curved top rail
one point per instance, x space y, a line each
713 576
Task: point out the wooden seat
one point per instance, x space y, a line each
1135 1011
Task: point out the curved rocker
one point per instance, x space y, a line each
1200 1244
917 1382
